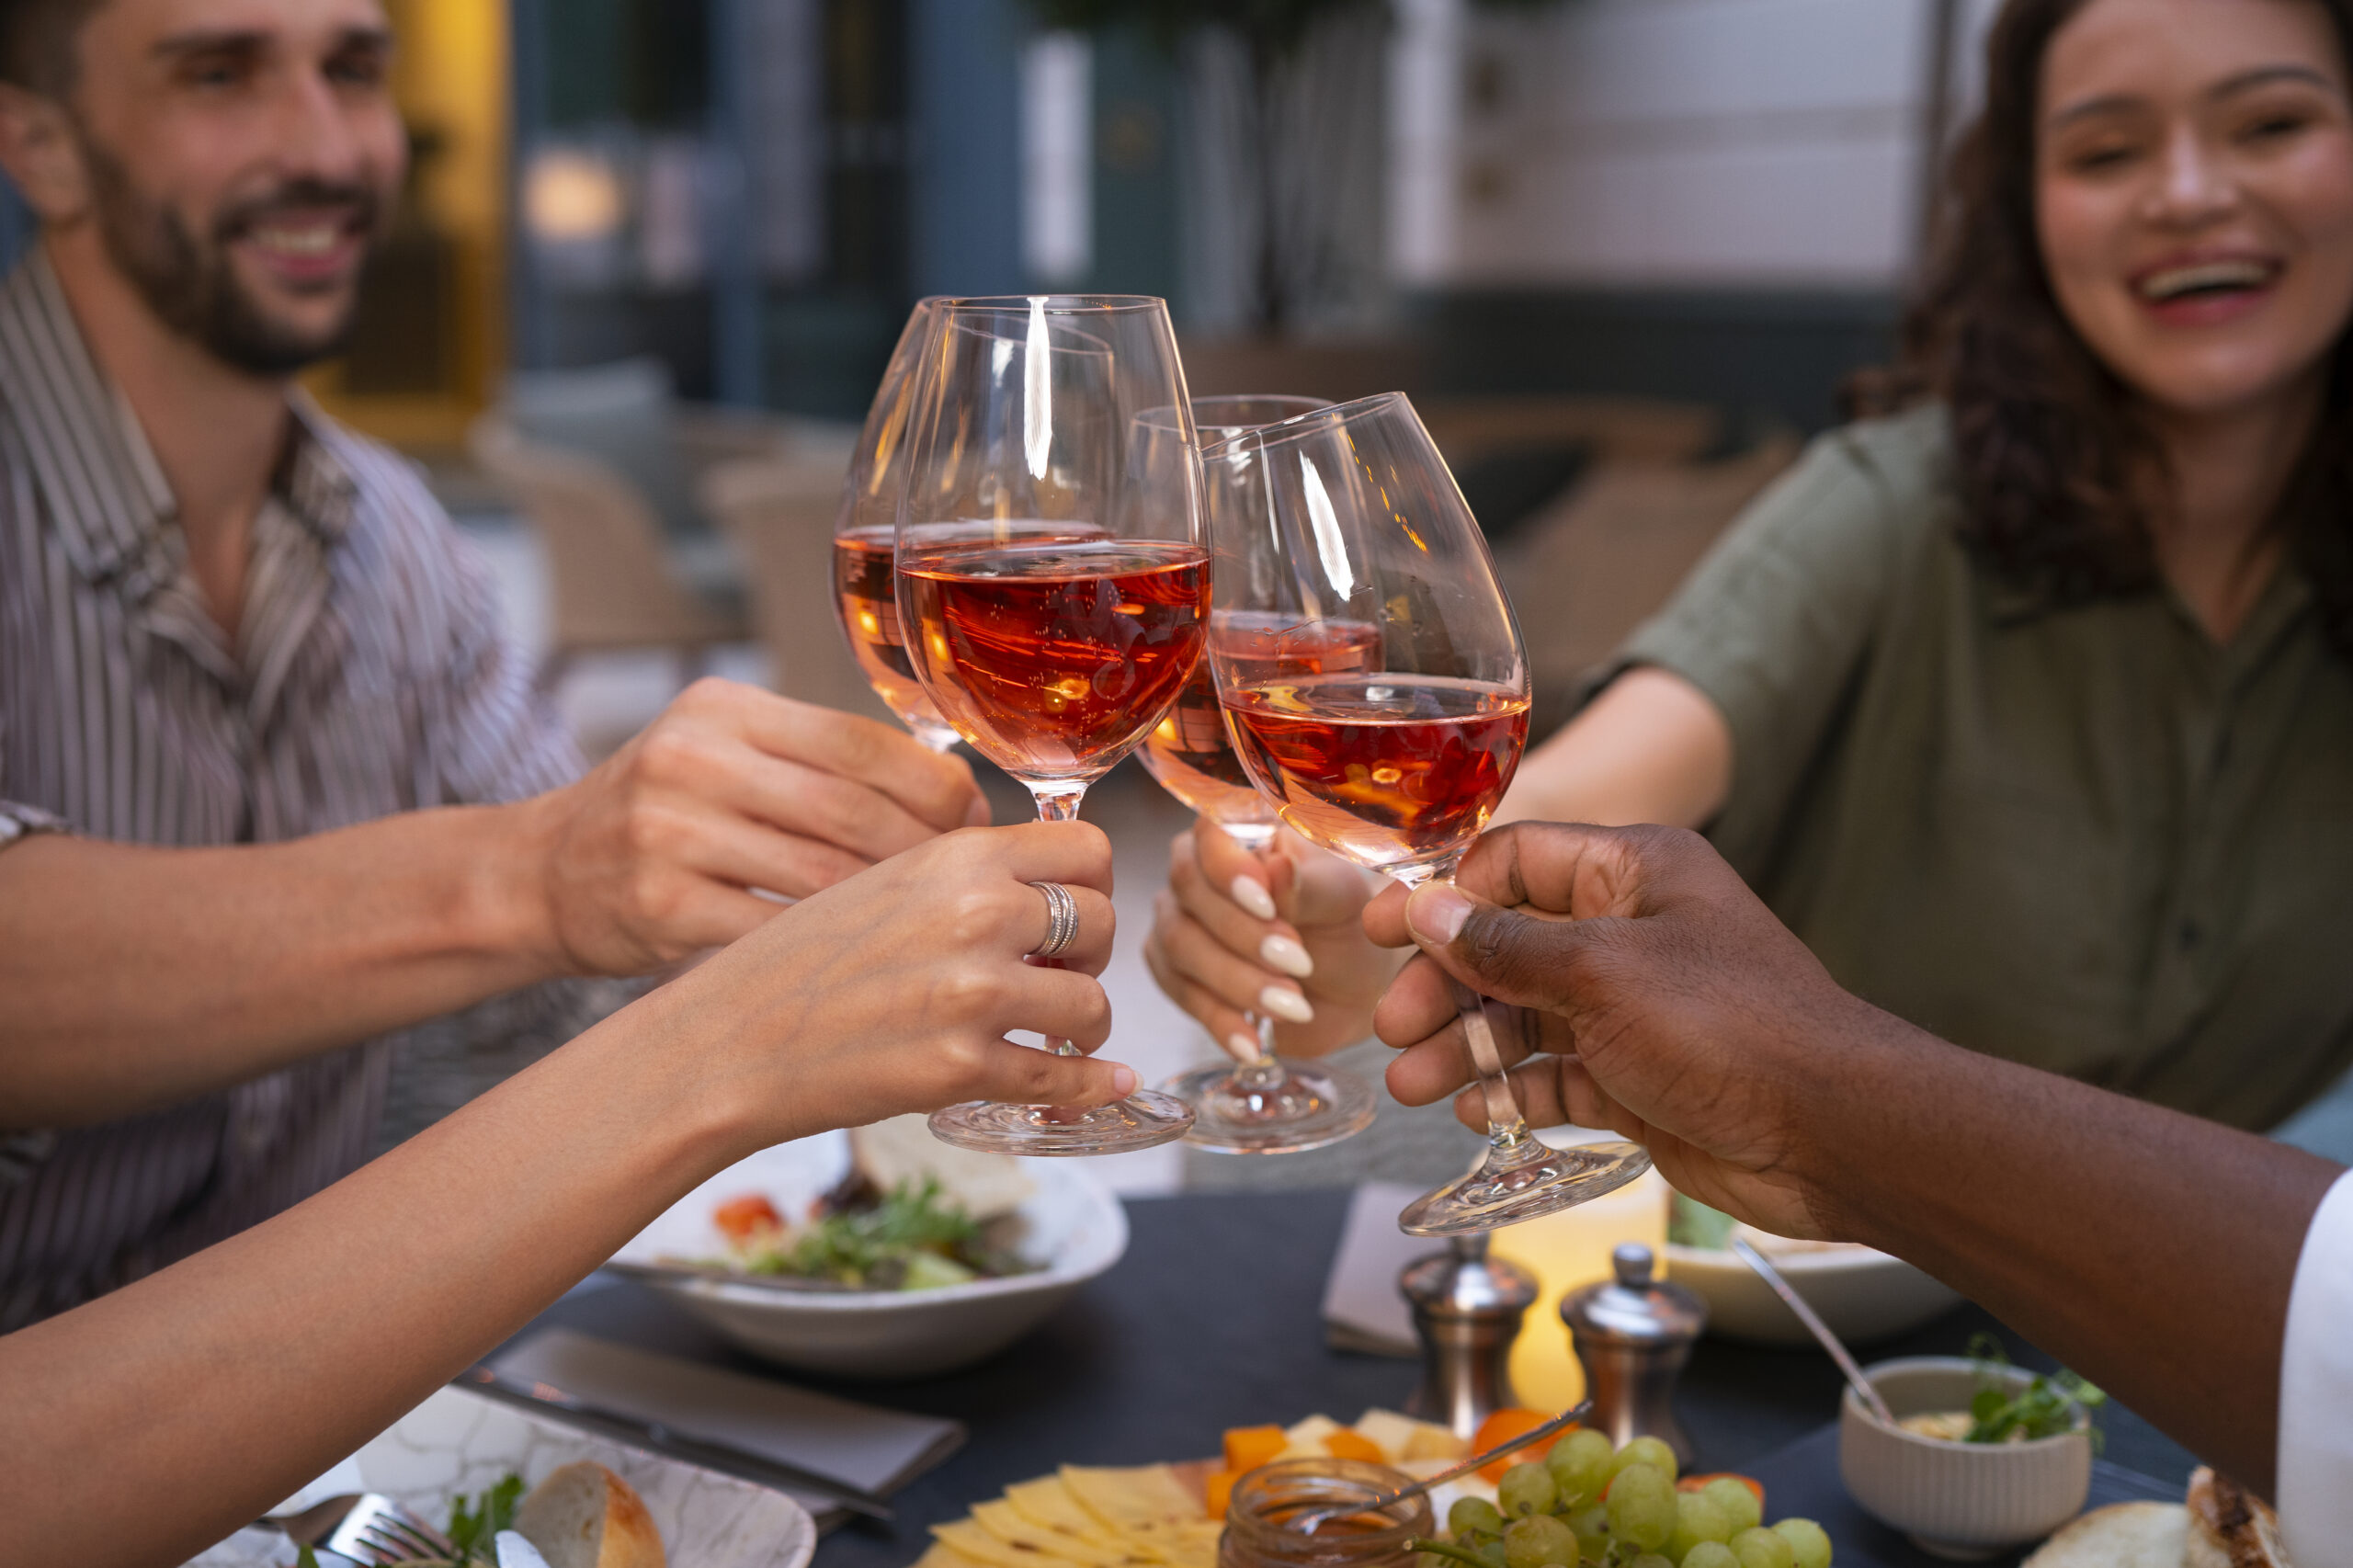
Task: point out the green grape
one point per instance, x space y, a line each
1491 1551
1645 1450
1527 1489
1739 1503
1711 1554
1762 1549
1651 1560
1540 1540
1592 1526
1808 1542
1474 1515
1641 1507
1580 1463
1697 1518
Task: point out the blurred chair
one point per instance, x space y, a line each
1470 429
779 514
1590 568
618 582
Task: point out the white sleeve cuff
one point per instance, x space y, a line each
2315 1470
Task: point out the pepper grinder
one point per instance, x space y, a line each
1467 1310
1633 1335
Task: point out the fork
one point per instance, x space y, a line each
368 1527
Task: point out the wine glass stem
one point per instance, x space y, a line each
1057 802
1507 1129
1264 1074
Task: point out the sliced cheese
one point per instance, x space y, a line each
1008 1524
968 1540
1049 1504
1143 1506
1387 1431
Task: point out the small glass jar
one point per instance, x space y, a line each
1265 1501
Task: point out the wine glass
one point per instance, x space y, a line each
1056 595
1396 766
865 534
1259 1105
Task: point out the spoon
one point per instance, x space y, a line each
1863 1386
1305 1523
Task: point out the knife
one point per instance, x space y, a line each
725 1458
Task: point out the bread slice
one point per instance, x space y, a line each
2122 1535
2229 1527
583 1516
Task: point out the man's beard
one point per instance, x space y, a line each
193 287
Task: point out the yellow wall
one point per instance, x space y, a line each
452 76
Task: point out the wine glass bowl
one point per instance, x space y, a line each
865 536
1398 762
1055 595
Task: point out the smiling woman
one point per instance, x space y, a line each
2028 704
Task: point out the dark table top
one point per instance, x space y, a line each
1213 1319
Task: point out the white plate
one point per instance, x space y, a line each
459 1443
1074 1226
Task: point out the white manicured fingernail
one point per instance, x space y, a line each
1278 952
1252 895
1243 1046
1286 1005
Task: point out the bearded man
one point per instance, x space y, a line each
275 795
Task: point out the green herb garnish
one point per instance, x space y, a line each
2048 1405
474 1531
914 1238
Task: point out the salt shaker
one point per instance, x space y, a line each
1633 1335
1467 1312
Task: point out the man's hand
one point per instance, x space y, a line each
1659 998
1278 934
654 854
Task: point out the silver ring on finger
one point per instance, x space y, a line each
1062 920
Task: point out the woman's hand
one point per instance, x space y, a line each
1278 934
1699 1026
894 991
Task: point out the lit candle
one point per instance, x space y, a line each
1566 1250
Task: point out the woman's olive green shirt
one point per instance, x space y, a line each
2085 838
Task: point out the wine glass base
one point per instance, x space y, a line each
1144 1120
1507 1189
1307 1108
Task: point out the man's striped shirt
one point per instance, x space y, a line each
369 675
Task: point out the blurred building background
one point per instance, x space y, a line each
1710 201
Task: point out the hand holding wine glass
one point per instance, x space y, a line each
1396 762
1055 595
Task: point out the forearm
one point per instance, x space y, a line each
2151 1251
139 976
1651 748
212 1398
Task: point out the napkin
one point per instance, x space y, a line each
873 1449
1363 1309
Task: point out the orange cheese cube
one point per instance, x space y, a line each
1219 1491
1247 1448
1349 1444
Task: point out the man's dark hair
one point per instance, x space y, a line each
36 42
2050 447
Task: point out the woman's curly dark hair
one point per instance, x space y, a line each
2051 457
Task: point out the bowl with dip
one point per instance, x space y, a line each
1958 1500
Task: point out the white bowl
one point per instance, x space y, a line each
1957 1500
1076 1228
1863 1295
